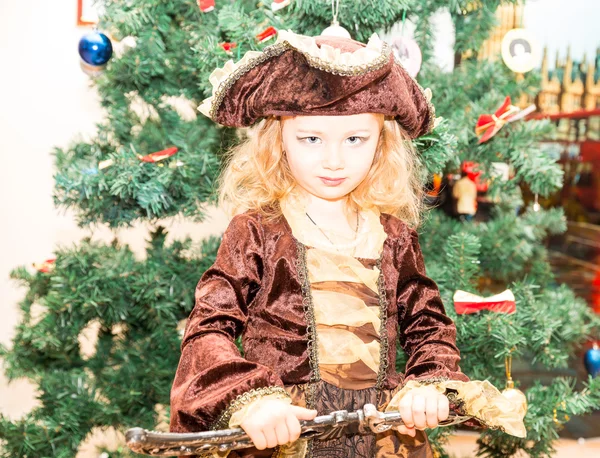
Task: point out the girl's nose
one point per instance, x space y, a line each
333 159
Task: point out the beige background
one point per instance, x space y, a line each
45 101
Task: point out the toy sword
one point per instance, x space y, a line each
177 444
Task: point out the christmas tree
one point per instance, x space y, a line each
154 158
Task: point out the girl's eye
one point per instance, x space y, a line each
356 140
310 140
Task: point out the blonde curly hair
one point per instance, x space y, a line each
257 176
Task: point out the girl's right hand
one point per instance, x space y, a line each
273 422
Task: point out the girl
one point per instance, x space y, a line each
320 270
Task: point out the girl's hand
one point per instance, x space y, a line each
273 422
422 408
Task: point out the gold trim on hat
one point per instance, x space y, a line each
327 58
427 94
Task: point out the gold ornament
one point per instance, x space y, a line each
560 423
511 393
471 6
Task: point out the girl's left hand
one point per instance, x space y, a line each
422 408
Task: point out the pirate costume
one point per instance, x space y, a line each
320 320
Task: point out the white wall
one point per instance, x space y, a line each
560 23
45 101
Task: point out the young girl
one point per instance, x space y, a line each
320 270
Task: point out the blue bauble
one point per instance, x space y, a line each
90 171
95 48
592 360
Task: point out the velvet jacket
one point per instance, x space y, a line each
258 287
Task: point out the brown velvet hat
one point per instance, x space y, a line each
324 75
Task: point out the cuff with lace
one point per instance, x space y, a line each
479 399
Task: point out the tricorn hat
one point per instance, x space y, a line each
323 75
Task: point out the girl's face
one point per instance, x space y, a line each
329 156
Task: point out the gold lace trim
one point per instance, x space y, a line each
383 335
230 73
245 398
432 380
313 348
426 93
211 105
307 302
223 78
479 399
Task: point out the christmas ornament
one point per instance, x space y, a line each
407 52
228 47
595 294
470 168
536 204
560 423
44 267
464 195
514 395
266 34
466 303
488 125
501 170
276 5
159 155
592 360
95 50
335 29
206 5
436 185
520 50
152 158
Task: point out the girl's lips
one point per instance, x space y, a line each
330 182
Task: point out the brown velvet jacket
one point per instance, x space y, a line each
258 287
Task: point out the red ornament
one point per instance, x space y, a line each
595 295
228 47
488 125
159 155
278 4
469 167
206 5
269 32
467 303
44 267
